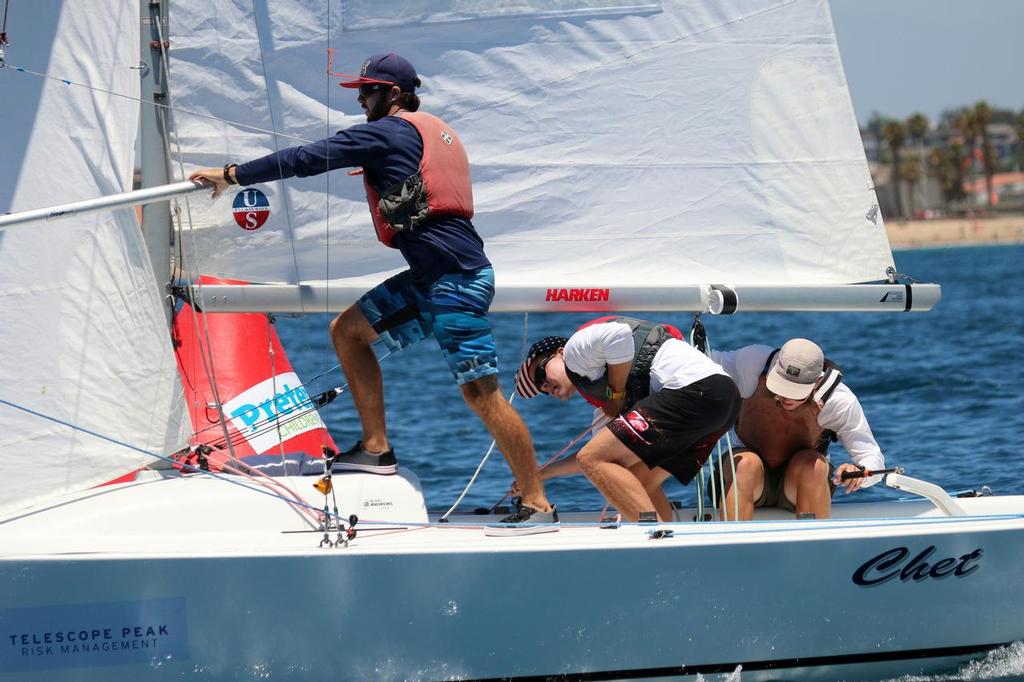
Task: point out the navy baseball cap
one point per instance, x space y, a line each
387 69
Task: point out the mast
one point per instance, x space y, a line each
156 218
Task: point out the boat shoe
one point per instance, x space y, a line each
524 521
358 459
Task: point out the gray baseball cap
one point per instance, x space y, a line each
797 367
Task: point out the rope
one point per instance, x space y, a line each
699 339
246 126
154 455
487 455
270 107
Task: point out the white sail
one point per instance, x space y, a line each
656 144
84 343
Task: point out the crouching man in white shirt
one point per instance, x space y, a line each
668 404
793 404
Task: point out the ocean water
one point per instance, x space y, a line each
943 391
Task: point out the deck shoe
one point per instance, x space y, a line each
524 521
358 459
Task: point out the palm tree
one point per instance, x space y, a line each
910 170
947 165
895 135
965 124
1019 124
982 117
917 126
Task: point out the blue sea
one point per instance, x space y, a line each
943 391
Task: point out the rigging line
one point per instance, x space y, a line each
154 455
327 180
476 473
511 397
206 356
207 359
261 478
715 494
273 382
314 403
190 112
270 483
269 85
166 121
264 425
599 424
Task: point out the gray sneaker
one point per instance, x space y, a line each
524 521
358 459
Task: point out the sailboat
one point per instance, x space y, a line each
690 156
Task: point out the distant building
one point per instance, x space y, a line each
1007 188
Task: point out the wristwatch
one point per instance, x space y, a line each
614 395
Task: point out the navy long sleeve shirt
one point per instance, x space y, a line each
389 150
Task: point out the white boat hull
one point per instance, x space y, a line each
235 597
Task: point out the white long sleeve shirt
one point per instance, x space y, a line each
841 413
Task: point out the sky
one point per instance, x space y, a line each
903 56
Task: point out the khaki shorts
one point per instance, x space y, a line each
774 493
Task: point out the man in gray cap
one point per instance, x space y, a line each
416 177
794 404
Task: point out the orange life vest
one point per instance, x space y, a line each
441 187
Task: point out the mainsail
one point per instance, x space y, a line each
650 146
84 341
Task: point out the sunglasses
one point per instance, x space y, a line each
367 89
540 376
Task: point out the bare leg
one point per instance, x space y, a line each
352 335
606 462
807 483
510 433
651 479
749 487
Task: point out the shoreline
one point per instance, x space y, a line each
917 234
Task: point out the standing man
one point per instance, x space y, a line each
668 404
794 404
416 176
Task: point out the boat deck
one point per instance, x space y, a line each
201 516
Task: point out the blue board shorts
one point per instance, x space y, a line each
453 309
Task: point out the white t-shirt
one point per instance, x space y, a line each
677 364
841 413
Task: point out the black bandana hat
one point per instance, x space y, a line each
525 385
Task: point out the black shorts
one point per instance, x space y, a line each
676 428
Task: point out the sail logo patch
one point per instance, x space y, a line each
251 208
273 411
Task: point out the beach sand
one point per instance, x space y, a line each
912 234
